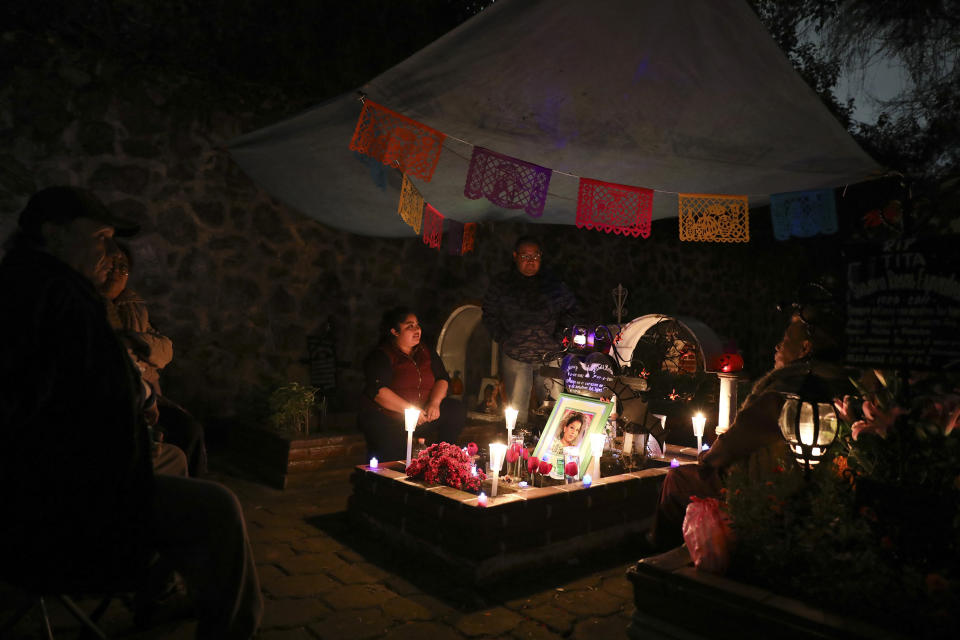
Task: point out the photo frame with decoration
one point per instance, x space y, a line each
560 432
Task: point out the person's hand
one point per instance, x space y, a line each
431 412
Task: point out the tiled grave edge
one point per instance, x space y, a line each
515 531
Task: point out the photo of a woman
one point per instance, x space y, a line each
572 418
571 431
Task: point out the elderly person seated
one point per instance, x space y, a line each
83 510
812 343
402 372
127 313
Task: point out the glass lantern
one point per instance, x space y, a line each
809 427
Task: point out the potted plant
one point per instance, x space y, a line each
290 407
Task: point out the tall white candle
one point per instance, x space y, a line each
410 417
596 449
497 452
510 414
699 424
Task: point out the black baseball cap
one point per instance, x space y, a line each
62 205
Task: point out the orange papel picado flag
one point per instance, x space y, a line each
397 141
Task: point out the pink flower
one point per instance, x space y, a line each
877 421
526 454
472 449
512 455
532 464
844 408
952 422
545 467
570 468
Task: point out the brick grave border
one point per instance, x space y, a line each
518 530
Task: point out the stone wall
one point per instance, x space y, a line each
238 281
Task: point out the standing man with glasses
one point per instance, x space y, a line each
526 310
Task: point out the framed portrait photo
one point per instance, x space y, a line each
570 424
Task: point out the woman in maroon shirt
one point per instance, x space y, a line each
402 372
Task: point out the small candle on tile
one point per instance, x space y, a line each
522 484
587 480
482 499
674 463
374 462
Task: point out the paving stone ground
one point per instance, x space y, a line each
322 579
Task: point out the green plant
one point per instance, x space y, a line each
290 407
874 530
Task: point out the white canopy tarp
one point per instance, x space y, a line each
689 96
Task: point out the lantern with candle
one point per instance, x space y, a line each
808 421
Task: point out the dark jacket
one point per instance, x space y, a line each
76 483
527 314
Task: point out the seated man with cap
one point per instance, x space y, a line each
82 507
812 344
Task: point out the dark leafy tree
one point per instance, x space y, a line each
917 132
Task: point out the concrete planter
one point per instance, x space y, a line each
674 600
282 461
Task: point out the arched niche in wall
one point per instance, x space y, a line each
464 345
708 344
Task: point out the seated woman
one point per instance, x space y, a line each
401 372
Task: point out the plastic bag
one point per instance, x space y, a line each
706 530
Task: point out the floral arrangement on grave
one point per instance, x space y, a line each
515 459
537 469
290 407
872 531
448 464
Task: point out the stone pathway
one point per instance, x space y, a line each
320 579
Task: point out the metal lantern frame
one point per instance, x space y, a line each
815 394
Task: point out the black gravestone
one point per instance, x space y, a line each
590 376
903 304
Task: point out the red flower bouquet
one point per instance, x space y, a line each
444 463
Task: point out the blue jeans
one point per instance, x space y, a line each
518 380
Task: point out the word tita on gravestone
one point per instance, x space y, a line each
903 304
590 376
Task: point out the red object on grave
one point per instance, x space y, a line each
727 363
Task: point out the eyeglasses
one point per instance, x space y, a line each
530 257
